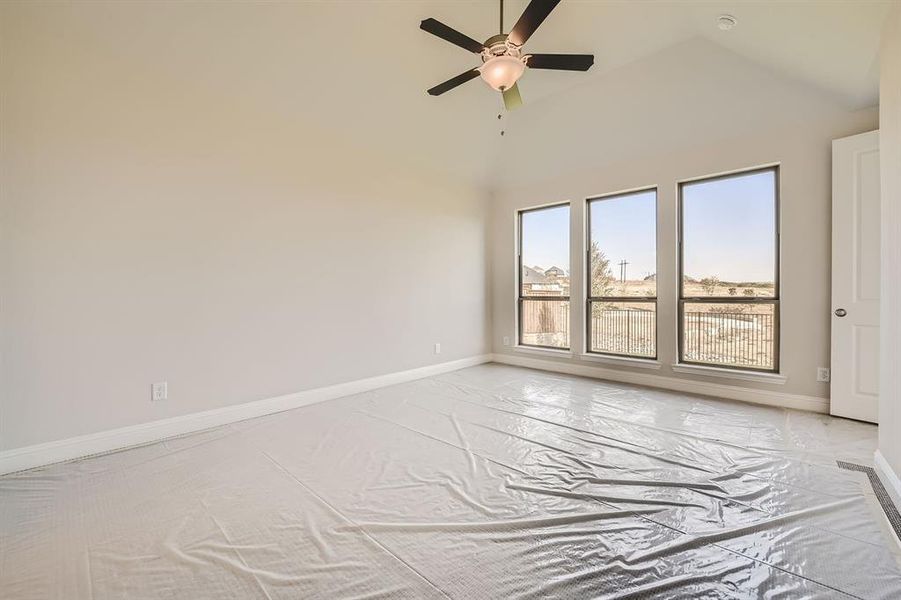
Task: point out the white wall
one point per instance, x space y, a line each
176 206
155 228
801 148
890 320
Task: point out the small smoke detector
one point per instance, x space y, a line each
725 22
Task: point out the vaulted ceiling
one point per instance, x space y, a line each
356 71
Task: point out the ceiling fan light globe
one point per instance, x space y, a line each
502 72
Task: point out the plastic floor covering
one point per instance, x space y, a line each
489 482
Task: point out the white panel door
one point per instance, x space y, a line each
855 277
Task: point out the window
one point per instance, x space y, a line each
729 267
544 277
622 274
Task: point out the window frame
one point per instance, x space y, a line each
519 296
589 298
775 300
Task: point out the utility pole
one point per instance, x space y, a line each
622 270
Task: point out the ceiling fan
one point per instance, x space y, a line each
503 61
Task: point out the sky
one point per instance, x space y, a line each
625 228
545 238
728 230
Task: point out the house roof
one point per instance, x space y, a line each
531 275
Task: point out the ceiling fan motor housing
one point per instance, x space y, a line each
499 45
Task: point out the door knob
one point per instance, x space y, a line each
840 312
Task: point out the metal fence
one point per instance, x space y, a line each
623 331
732 339
719 338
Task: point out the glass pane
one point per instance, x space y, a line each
545 252
627 328
733 335
545 323
729 236
623 252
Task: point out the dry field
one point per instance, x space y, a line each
642 288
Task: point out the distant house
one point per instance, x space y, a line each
538 282
555 272
532 276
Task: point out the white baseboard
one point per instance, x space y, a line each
20 459
706 388
887 474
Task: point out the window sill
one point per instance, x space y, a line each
543 351
735 374
622 361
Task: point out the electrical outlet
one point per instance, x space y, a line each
159 391
823 374
506 340
437 348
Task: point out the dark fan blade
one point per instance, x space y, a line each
453 82
561 62
451 35
512 99
534 14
